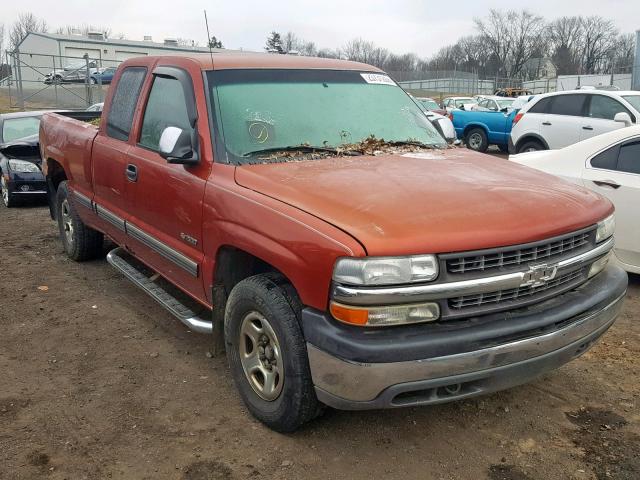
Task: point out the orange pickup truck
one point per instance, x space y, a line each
307 214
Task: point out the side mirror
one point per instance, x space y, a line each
445 127
623 117
177 146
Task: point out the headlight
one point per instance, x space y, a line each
605 228
20 166
385 270
385 316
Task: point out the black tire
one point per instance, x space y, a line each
476 139
82 243
531 146
8 198
272 297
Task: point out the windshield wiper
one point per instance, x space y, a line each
303 149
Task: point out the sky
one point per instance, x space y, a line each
401 26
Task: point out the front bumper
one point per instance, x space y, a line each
395 367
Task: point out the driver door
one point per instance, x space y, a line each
165 219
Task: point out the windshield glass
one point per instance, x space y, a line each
428 104
633 100
15 128
261 110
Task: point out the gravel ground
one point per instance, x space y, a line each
99 382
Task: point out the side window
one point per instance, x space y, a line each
492 105
606 160
124 102
541 106
166 107
571 105
605 107
629 158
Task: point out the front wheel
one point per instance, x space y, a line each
8 198
267 353
531 146
80 242
477 140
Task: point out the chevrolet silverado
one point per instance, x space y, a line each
305 213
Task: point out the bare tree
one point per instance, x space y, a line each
625 47
27 22
566 36
1 43
495 34
598 43
525 35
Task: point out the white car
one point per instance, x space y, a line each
494 104
608 164
555 120
453 103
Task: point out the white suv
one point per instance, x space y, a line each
559 119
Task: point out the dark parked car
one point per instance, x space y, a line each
102 76
20 163
21 175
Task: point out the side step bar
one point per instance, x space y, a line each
118 259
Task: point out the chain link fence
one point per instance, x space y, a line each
38 81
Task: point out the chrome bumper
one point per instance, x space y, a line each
350 385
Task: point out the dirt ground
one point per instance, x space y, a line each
97 381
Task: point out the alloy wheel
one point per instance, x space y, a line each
261 356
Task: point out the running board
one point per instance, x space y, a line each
117 259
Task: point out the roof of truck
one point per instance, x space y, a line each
235 60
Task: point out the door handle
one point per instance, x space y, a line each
546 123
132 172
607 184
587 127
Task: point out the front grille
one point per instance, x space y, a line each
520 294
512 257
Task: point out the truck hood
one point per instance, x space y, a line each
429 202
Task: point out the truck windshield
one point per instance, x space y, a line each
278 110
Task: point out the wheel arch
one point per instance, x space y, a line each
531 137
55 174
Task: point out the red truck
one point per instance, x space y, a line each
254 197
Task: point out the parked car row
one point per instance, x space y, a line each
79 74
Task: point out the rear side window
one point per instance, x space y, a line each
571 105
15 128
124 102
629 158
606 160
166 107
605 107
542 106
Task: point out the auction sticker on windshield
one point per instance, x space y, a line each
377 78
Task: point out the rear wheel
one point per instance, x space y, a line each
476 139
267 352
80 242
8 198
531 146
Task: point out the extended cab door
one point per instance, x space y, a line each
109 154
601 111
615 173
165 216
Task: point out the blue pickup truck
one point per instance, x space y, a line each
480 129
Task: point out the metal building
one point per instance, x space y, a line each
39 53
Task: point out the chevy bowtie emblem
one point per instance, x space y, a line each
539 275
